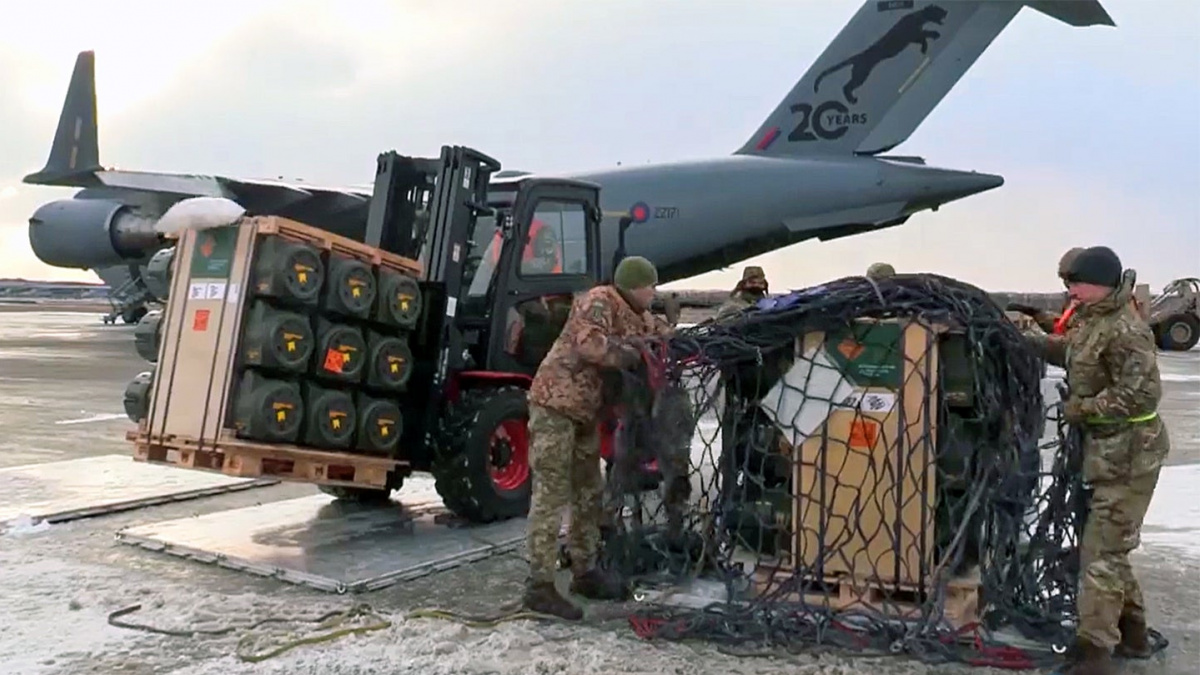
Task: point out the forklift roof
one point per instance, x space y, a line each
500 185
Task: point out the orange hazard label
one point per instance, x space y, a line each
334 360
200 320
850 349
863 433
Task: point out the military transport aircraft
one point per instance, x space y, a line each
815 168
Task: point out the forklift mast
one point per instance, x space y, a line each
438 212
426 209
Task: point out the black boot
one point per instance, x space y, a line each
1135 640
544 598
598 584
1089 659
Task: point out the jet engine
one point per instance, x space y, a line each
91 234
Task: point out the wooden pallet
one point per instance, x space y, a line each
244 459
327 241
960 606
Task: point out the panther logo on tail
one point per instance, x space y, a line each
909 30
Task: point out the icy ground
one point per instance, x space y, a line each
61 581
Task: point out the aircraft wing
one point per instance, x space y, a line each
256 195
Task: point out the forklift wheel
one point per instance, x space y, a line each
482 465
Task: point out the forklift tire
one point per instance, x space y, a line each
481 469
363 495
1179 333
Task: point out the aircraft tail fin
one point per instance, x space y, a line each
888 69
75 154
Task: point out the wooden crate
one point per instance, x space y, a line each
244 459
197 372
862 443
327 241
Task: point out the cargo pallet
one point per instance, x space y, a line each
960 603
882 440
245 459
188 418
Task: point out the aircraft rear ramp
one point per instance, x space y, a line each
334 546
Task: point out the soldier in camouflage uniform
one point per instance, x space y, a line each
747 293
1112 374
880 270
565 408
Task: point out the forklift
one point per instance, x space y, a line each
502 260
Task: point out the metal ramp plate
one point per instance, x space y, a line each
334 546
55 492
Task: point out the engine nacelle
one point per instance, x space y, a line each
90 233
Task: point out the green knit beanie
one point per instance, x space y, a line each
634 272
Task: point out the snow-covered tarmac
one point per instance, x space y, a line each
61 376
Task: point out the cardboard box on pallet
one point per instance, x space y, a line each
263 353
859 411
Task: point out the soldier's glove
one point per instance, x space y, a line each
1073 412
627 357
1027 310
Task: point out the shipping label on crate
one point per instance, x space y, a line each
870 354
212 257
857 368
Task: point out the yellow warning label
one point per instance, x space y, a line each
355 291
291 345
383 431
336 423
395 367
280 415
302 277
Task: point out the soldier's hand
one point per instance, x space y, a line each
1027 310
1073 412
671 308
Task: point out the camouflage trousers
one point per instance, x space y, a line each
1123 470
565 460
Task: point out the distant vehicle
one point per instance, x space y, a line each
815 167
1175 315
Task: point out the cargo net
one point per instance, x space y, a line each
864 465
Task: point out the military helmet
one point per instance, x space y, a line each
880 270
634 272
1064 263
753 273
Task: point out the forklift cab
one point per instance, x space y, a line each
526 261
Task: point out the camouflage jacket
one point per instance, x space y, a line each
1108 352
569 379
737 302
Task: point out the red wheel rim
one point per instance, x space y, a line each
508 461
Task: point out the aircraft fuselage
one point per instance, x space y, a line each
695 216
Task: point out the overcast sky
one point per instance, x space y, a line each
1096 131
